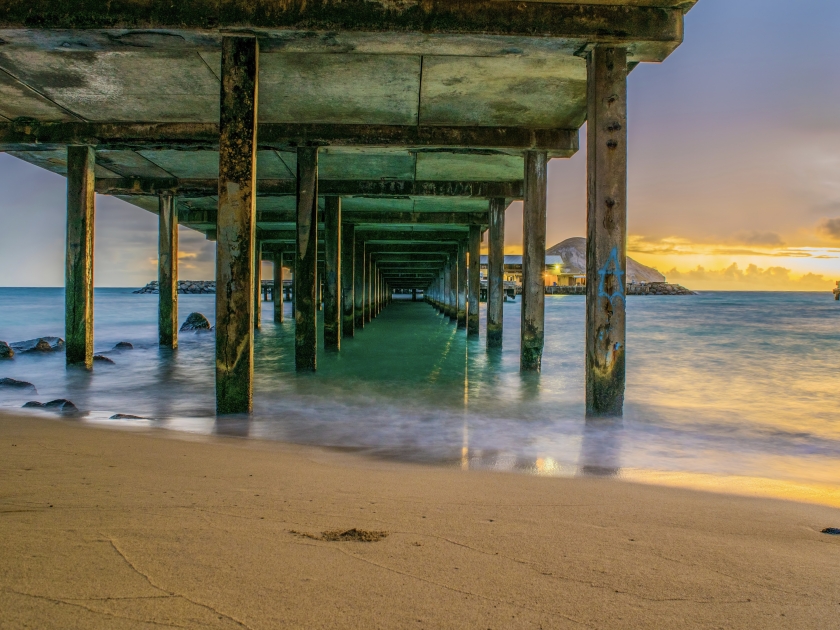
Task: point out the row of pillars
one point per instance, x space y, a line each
355 291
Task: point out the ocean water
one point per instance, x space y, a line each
720 386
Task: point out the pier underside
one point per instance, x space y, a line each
408 121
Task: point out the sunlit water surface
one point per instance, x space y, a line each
719 386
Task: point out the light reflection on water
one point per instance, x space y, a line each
718 384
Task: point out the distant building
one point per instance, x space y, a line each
557 273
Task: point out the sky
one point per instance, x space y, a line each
734 168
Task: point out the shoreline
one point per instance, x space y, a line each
131 529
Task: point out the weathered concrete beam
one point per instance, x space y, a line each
190 216
606 231
128 186
430 235
31 135
591 22
306 266
236 226
348 302
533 262
495 273
78 278
473 280
168 271
332 274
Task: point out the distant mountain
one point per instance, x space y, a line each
573 251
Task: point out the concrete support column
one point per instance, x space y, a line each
359 285
348 233
453 286
606 231
462 285
306 260
495 273
369 289
414 295
332 273
236 225
257 285
474 280
78 271
278 287
167 271
533 261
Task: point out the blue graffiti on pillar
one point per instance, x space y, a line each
611 268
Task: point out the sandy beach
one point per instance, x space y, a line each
143 529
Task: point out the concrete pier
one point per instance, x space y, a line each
257 285
606 231
473 280
359 284
495 273
369 289
167 271
453 287
236 225
78 278
332 273
462 284
306 261
348 280
277 294
533 262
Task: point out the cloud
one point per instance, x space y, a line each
831 228
753 278
767 239
758 244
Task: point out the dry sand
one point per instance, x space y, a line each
117 529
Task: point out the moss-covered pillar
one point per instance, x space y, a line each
168 271
332 273
474 280
257 284
461 295
306 260
348 251
359 284
369 288
277 294
533 262
495 273
78 278
606 230
236 225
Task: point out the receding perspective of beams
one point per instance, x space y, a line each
359 284
40 136
167 271
78 279
533 262
462 285
606 231
257 285
332 273
236 226
306 263
473 280
277 293
184 187
495 273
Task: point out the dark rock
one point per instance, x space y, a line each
41 344
124 345
101 359
10 383
195 321
6 351
61 404
832 531
126 416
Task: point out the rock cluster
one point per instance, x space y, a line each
184 286
41 344
648 288
6 351
62 405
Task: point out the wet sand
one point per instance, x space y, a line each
143 529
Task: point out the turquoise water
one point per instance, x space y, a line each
719 383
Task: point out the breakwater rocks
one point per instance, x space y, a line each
649 288
184 286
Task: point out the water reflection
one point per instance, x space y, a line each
600 449
238 425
